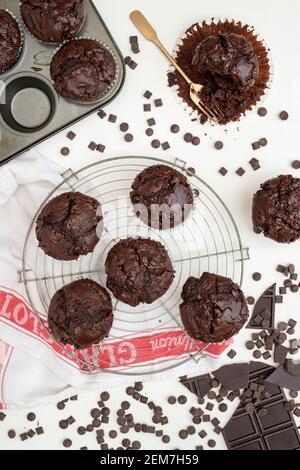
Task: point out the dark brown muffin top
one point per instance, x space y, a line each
67 226
276 209
10 40
53 21
80 314
229 58
138 271
161 196
213 309
82 70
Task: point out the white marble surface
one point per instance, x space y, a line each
277 22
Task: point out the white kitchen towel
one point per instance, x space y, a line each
34 368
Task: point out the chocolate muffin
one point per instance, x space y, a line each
53 21
162 197
138 271
68 226
10 40
80 314
82 70
230 67
276 209
213 309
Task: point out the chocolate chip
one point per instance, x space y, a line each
149 132
126 442
11 434
223 407
262 111
183 434
174 128
223 171
124 127
90 428
256 276
219 145
211 443
124 429
81 430
290 331
283 115
214 383
95 413
31 416
165 145
151 122
147 94
71 135
293 393
155 143
294 288
128 138
105 396
147 107
65 151
188 137
196 140
172 400
92 146
165 439
67 443
257 354
63 424
182 399
292 322
296 164
250 345
136 445
158 102
60 405
240 171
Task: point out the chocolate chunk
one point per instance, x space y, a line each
278 299
262 111
174 128
219 145
147 94
23 436
147 107
283 115
158 102
282 290
100 148
254 164
101 114
255 145
266 302
240 171
71 135
223 171
39 430
132 64
92 146
293 367
165 145
151 122
202 434
233 376
30 433
231 354
124 127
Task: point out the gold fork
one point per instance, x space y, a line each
143 25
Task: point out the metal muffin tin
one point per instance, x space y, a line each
30 109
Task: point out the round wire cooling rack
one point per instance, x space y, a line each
149 338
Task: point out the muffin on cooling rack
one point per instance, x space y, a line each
213 308
83 70
53 21
69 226
162 197
80 314
10 40
275 209
138 270
229 60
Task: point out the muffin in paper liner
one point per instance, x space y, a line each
183 53
21 41
109 87
50 43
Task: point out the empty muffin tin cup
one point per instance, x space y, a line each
28 102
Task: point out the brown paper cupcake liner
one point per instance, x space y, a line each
22 40
52 43
103 44
185 48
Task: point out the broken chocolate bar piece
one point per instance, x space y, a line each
233 376
199 385
265 303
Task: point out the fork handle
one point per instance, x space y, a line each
143 25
